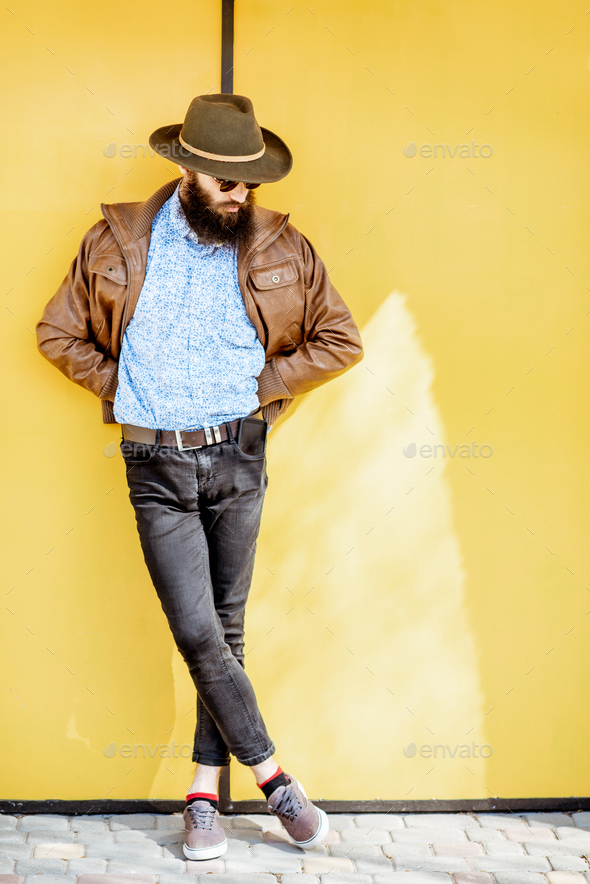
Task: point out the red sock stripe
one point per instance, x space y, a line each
278 771
202 795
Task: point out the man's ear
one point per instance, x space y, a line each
183 170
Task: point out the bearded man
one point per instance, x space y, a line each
197 317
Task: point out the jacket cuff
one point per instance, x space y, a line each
108 415
110 388
272 412
271 385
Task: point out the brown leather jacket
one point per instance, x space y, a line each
304 325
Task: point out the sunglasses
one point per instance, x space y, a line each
226 186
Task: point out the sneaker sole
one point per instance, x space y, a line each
321 832
200 853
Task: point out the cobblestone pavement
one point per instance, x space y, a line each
441 848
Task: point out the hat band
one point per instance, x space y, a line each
219 157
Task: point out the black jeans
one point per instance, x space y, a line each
198 516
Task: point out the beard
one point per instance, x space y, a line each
211 223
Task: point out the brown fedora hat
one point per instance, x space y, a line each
220 137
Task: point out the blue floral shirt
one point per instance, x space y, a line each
190 355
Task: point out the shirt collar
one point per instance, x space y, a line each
180 225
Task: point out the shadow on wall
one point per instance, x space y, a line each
385 566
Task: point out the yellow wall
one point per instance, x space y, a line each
397 600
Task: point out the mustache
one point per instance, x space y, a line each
198 196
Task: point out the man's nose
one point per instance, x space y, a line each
239 193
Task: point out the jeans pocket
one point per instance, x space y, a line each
249 457
136 452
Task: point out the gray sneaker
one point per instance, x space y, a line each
203 836
306 824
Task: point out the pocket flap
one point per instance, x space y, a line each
112 266
274 276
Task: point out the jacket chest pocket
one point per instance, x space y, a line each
112 267
274 276
280 295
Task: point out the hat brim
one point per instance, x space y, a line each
274 164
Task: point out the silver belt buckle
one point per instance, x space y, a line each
208 437
181 447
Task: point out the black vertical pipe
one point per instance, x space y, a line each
227 85
225 801
227 45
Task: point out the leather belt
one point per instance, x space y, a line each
181 439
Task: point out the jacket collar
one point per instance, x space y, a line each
131 221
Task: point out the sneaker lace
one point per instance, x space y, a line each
201 817
288 805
